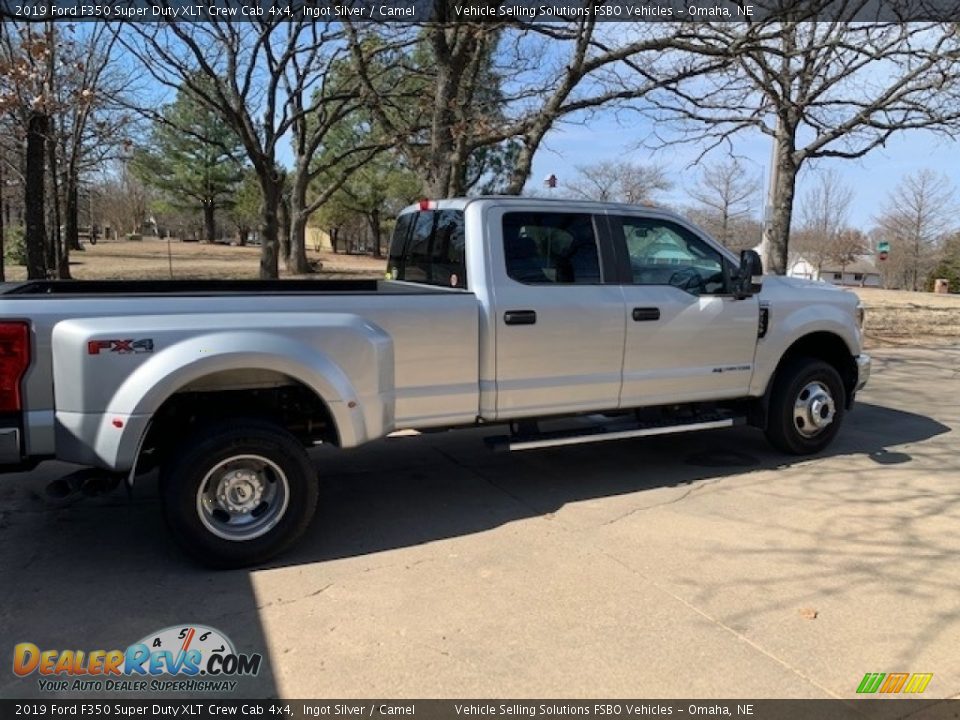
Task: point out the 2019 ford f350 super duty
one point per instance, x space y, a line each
621 320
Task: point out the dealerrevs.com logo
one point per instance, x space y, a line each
178 658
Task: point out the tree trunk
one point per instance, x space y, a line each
297 260
71 222
441 134
3 224
374 219
283 218
782 190
916 261
335 240
269 229
55 247
34 187
524 163
209 223
72 211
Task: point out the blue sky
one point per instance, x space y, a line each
871 178
605 137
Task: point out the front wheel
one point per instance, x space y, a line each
806 408
239 493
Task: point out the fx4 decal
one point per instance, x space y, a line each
124 347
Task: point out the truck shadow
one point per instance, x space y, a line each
101 574
400 492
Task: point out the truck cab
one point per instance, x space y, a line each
587 306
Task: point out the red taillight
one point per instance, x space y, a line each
14 361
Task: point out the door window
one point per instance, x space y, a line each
551 248
664 253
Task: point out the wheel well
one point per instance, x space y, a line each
262 394
825 346
832 350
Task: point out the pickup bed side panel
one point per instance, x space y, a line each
105 399
433 331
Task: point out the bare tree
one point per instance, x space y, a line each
54 90
92 127
743 233
848 245
25 80
617 181
486 83
919 214
824 212
266 77
120 199
724 192
818 89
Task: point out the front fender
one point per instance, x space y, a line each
793 324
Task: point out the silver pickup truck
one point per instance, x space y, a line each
562 322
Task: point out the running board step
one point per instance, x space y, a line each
602 433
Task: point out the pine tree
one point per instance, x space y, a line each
193 157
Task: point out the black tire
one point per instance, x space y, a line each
797 386
240 459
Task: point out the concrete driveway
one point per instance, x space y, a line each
689 566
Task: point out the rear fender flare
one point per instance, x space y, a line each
156 380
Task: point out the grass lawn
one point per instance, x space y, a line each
148 260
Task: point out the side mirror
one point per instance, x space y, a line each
749 276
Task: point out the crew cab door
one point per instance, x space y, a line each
558 312
687 337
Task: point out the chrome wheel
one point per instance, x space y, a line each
814 409
243 497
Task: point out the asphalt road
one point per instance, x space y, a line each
690 566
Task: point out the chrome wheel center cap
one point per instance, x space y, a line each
821 411
240 492
814 409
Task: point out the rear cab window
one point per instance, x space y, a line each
551 248
428 247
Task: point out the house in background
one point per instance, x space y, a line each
862 272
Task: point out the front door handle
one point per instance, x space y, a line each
520 317
643 314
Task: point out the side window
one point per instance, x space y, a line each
551 248
429 247
663 253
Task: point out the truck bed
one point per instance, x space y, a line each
430 368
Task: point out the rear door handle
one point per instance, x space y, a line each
520 317
642 314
